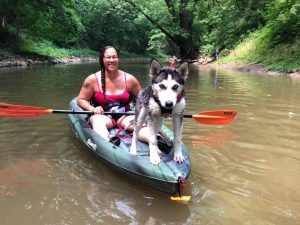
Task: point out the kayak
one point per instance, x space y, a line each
167 177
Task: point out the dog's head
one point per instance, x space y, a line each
167 83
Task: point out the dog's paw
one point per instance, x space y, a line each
154 158
133 150
178 157
154 155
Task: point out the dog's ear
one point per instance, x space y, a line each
183 70
155 68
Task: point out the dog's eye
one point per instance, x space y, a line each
162 86
175 87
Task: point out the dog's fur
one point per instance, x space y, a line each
164 98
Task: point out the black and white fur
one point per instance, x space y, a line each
163 98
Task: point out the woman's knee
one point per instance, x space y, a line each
101 120
126 122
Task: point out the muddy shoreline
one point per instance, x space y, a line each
24 62
253 68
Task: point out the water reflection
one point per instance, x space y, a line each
215 138
18 173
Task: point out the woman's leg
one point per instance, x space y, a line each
127 123
101 124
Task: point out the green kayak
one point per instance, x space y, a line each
168 177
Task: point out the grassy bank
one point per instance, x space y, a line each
48 49
29 48
257 49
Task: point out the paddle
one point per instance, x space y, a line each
218 117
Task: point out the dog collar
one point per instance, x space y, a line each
180 96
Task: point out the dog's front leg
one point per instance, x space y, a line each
141 117
177 128
154 126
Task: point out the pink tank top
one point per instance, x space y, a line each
122 99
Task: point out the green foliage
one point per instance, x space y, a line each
259 30
225 23
5 54
284 57
46 48
67 26
113 23
277 44
156 42
283 21
54 20
255 49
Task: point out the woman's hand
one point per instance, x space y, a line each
98 110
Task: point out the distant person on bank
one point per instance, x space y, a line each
218 53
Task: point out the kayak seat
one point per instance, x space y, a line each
84 123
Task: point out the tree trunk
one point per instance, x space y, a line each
187 47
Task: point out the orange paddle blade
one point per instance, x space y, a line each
215 117
181 199
10 110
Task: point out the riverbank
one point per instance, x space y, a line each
251 68
23 62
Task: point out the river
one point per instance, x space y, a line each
246 172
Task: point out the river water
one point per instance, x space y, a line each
244 173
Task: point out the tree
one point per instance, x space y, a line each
180 17
283 21
52 20
223 23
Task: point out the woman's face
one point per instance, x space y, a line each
111 59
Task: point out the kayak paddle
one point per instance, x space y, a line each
218 117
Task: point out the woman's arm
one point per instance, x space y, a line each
86 93
133 85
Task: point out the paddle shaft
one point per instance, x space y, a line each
105 113
89 112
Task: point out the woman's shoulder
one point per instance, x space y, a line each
92 77
128 75
133 84
130 78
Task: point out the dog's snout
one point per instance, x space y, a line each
169 104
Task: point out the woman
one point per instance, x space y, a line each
106 90
172 61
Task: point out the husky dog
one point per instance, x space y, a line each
163 98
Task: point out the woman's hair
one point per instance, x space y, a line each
102 69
